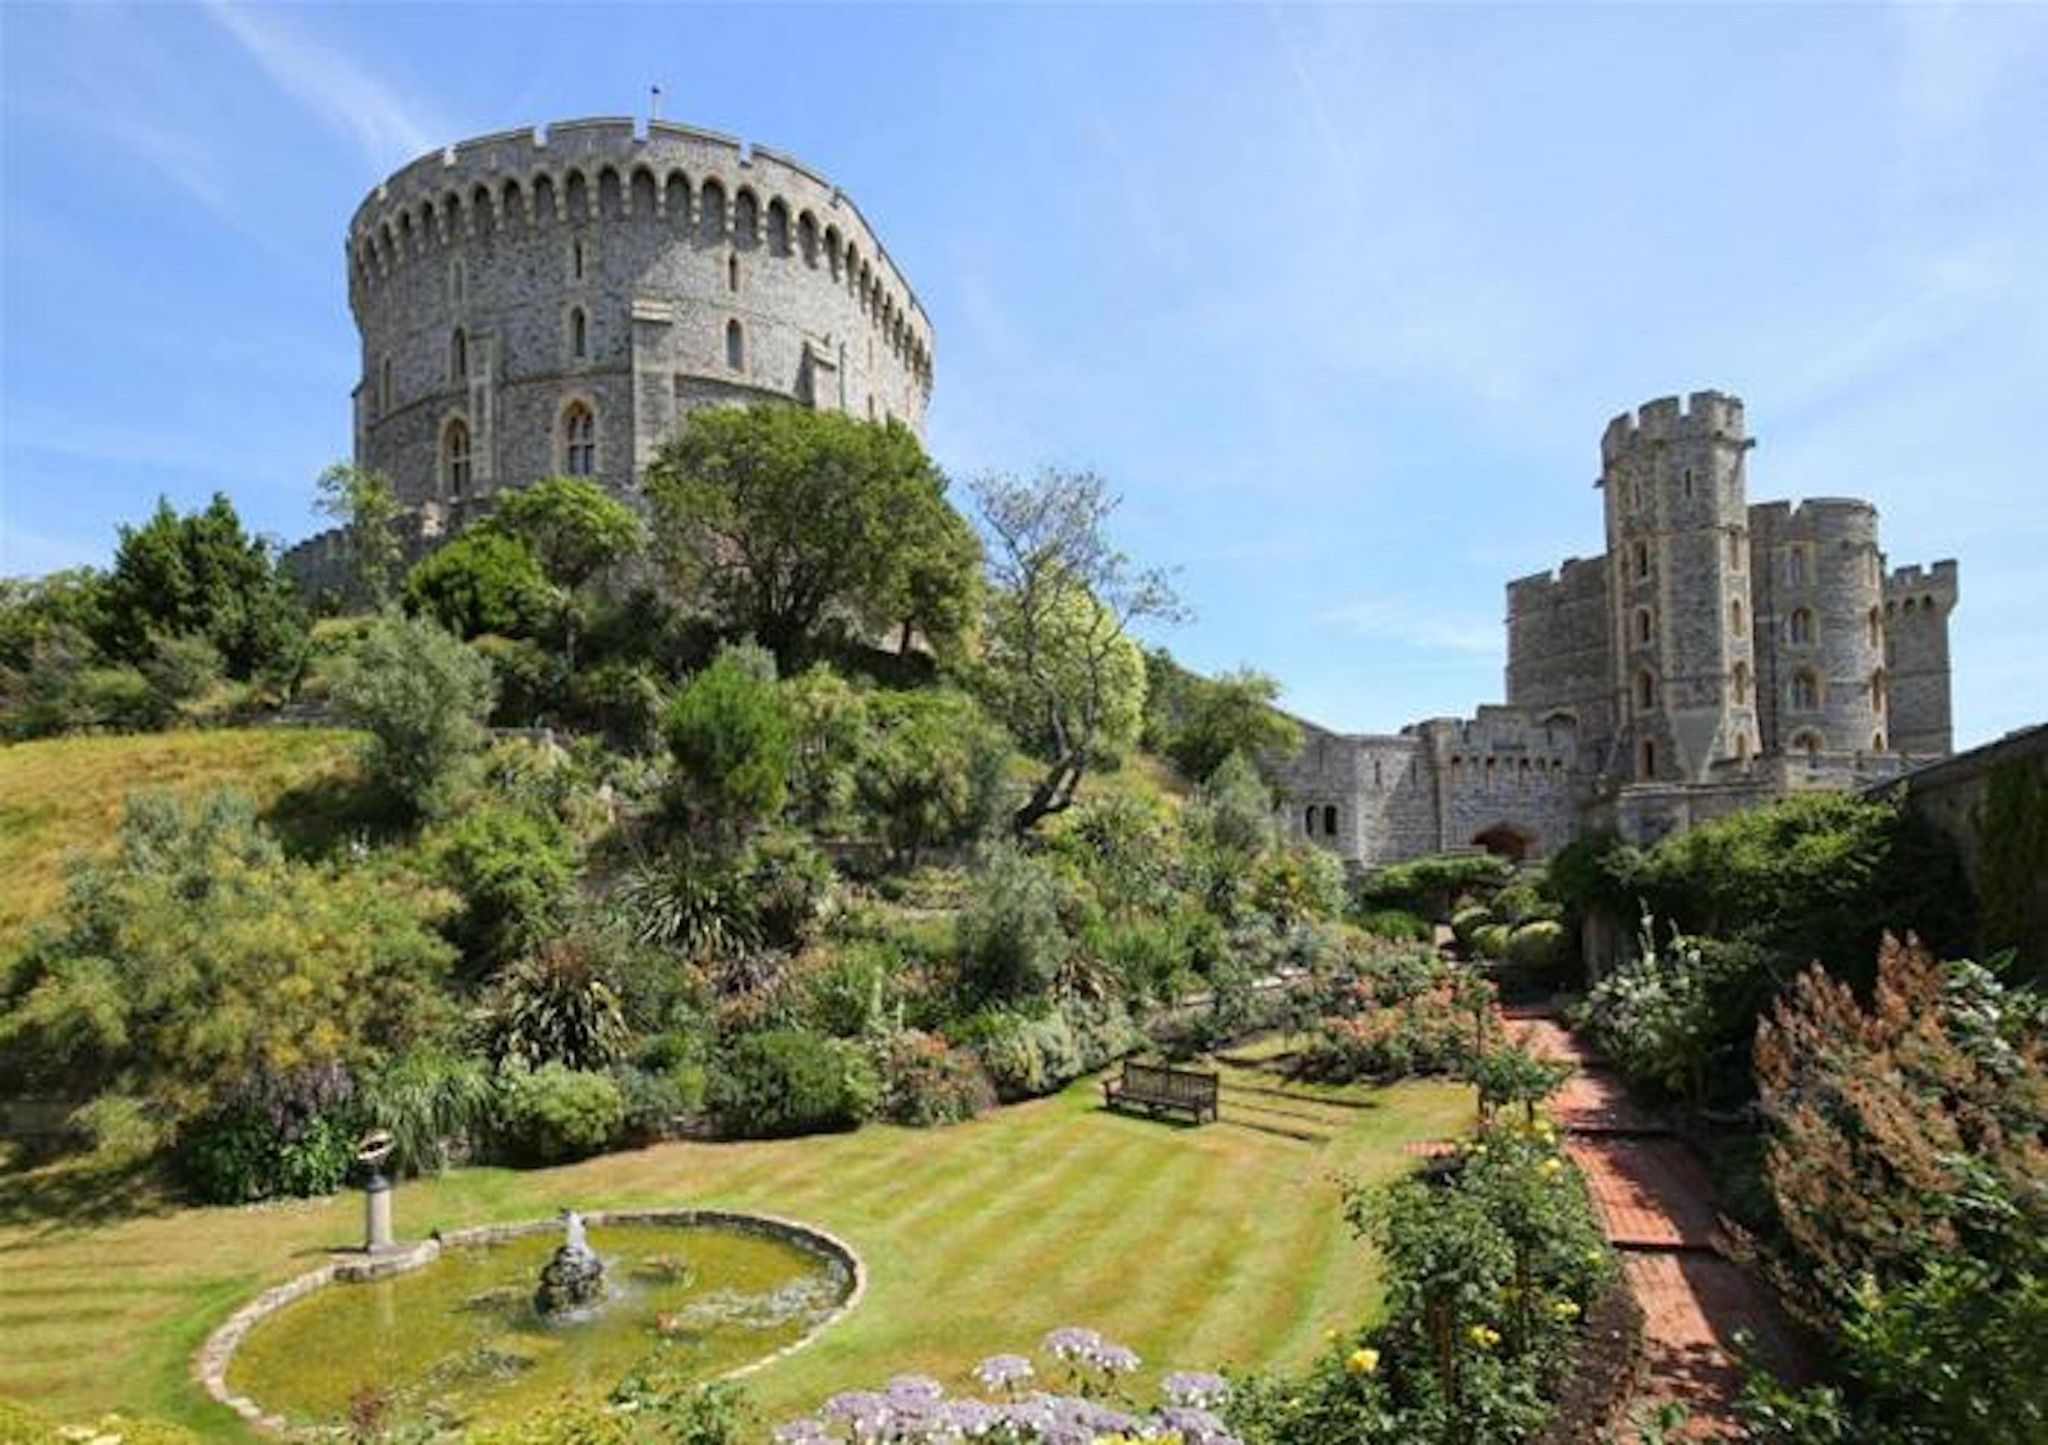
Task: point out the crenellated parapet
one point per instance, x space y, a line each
1703 414
559 300
615 172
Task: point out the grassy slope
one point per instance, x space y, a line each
1198 1247
64 795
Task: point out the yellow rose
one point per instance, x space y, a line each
1363 1361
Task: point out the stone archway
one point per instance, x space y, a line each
1506 840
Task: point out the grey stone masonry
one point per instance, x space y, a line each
557 301
1718 654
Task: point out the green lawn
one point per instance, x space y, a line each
1198 1247
64 795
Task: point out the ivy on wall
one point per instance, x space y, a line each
2012 824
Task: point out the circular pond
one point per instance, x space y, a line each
460 1337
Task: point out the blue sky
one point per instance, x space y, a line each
1339 299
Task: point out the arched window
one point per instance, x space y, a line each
579 334
1738 684
807 237
1646 690
1330 820
1877 742
1877 691
1795 566
1806 690
1735 616
1876 620
1642 559
458 355
1645 626
746 219
579 440
711 211
1735 551
735 346
455 457
778 228
1799 626
1646 759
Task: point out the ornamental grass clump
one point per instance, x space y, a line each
1093 1408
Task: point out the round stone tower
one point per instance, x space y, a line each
557 300
1821 628
1684 673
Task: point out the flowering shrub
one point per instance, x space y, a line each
1407 1020
927 1081
1090 1410
1489 1275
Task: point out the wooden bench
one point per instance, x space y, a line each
1153 1087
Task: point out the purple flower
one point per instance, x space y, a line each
1196 1426
914 1390
1113 1359
969 1418
1071 1342
1196 1388
806 1431
1001 1372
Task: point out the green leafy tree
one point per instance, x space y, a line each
364 502
1061 669
483 582
423 696
733 744
198 954
201 575
1233 713
926 767
512 871
575 529
785 519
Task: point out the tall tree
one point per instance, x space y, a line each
1233 713
365 503
785 519
575 529
1062 669
201 575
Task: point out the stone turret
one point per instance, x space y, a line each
1917 603
1678 587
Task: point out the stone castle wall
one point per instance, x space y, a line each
638 272
1716 655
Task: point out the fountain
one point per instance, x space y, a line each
574 1278
454 1329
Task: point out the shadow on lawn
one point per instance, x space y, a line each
314 818
77 1194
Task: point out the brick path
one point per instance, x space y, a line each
1657 1205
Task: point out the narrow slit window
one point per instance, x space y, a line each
735 346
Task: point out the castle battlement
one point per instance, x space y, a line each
613 170
1704 414
1934 586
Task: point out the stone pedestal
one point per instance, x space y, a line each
377 1214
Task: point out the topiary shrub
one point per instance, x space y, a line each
1468 921
553 1114
781 1082
1490 940
1539 950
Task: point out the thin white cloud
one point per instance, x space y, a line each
1401 622
342 96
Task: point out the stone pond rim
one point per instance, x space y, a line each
210 1364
